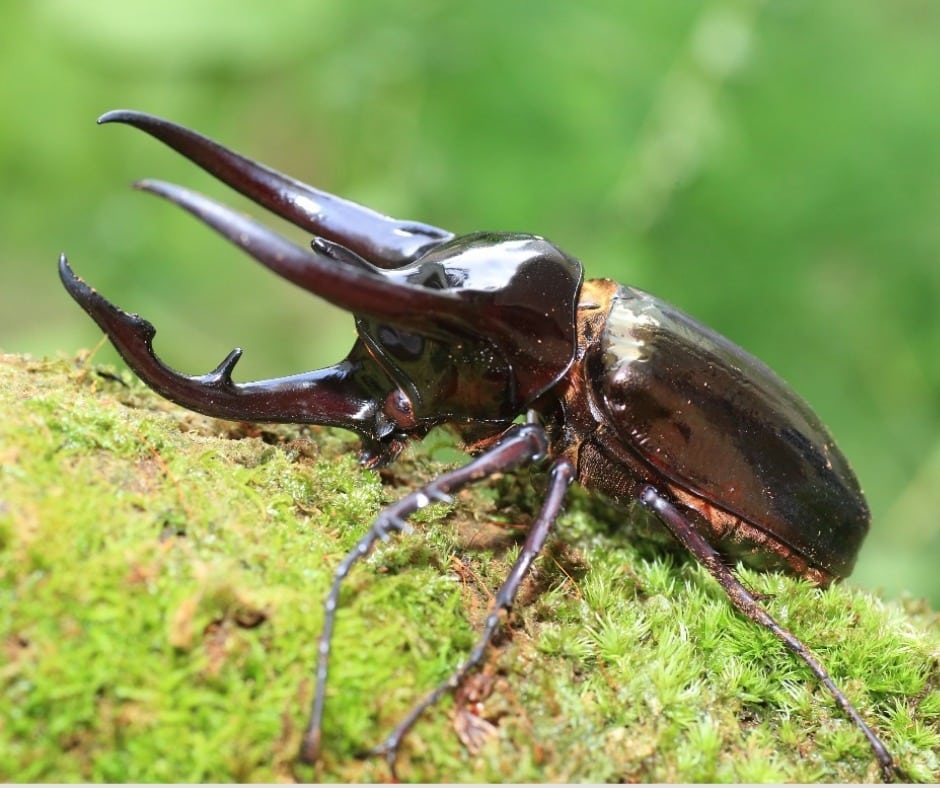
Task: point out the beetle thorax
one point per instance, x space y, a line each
439 381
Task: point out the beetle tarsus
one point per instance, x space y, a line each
440 497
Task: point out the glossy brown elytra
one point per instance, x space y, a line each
623 393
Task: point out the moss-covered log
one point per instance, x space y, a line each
162 575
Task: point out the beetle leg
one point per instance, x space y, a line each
331 396
742 599
386 242
561 475
521 445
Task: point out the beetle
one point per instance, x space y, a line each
619 390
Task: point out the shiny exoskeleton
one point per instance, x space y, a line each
623 393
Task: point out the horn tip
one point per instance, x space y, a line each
130 116
72 283
149 185
113 116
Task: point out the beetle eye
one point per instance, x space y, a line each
403 345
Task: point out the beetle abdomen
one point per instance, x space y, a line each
718 425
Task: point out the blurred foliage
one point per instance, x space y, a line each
772 168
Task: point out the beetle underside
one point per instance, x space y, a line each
474 331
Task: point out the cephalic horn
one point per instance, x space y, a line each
327 396
334 273
384 241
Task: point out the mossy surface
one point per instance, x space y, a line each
161 582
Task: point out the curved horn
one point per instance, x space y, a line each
380 239
537 296
328 271
327 396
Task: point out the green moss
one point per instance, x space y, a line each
161 581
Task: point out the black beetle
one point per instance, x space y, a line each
623 392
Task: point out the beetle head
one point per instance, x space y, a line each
464 330
501 330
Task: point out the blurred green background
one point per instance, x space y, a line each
772 168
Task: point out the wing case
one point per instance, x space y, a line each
718 423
